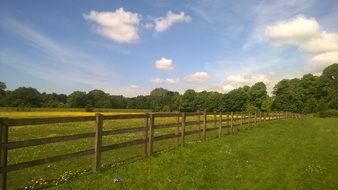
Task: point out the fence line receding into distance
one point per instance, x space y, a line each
229 121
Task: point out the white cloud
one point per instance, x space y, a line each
173 80
165 81
164 64
198 77
236 81
133 86
227 88
324 42
157 80
294 31
164 23
326 59
307 35
120 25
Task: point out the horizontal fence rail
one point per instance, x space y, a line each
232 121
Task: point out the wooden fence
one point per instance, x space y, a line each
224 121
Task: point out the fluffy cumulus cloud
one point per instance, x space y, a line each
236 81
307 35
165 80
164 23
164 64
120 25
198 77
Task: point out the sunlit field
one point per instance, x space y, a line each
55 173
293 154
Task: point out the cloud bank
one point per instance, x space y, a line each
307 35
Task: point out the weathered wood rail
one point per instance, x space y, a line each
230 121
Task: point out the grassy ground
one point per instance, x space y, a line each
293 154
54 173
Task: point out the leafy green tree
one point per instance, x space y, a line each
118 101
159 92
310 106
77 99
188 101
288 95
257 94
2 88
98 99
328 82
267 104
24 97
48 100
3 94
235 100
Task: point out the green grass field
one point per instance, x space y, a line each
294 154
55 173
251 141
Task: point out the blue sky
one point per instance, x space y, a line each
131 47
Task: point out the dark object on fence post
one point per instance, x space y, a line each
231 123
204 125
220 125
146 128
98 142
4 154
183 130
151 134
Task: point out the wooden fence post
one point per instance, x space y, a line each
268 115
249 120
4 154
146 139
255 118
98 142
199 124
273 116
231 123
215 120
220 125
228 122
204 125
260 117
183 130
178 131
241 119
151 134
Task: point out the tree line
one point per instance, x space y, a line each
303 95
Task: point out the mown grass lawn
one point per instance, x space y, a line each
293 154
